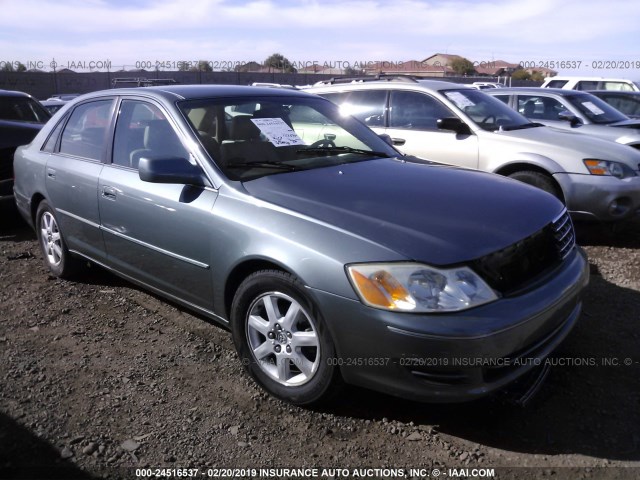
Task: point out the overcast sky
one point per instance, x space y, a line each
127 32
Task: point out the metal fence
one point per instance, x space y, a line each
44 84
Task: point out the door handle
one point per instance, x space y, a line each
109 193
398 141
51 173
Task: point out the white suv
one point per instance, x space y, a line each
451 123
591 83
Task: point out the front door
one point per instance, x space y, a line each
156 233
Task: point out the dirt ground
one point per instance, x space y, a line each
99 378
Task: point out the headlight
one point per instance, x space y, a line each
608 168
412 287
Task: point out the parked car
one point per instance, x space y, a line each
21 117
580 112
486 85
452 123
269 212
64 97
52 106
591 83
625 102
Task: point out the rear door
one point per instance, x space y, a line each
155 233
77 149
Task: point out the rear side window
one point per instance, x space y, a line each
85 133
556 83
587 85
367 106
52 141
503 98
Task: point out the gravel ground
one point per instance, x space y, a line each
98 378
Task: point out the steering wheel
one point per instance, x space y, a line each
488 117
323 143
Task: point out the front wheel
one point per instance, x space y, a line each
281 338
539 180
54 249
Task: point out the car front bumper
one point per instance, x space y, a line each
602 198
457 356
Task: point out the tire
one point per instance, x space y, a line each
282 340
54 249
539 180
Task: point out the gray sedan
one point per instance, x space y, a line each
579 112
329 255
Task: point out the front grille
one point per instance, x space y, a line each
514 268
564 234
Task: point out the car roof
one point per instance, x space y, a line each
615 92
399 82
13 93
538 90
187 92
578 77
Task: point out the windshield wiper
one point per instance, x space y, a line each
359 151
509 128
278 165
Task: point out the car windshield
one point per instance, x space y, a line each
595 109
487 112
22 109
249 137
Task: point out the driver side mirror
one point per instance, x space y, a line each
387 138
171 170
455 124
569 117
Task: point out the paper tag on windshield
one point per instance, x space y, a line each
593 108
460 100
277 131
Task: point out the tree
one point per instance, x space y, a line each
537 76
203 66
354 72
521 74
278 62
14 67
462 66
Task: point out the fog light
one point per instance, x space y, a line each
619 207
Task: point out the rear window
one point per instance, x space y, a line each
556 83
22 109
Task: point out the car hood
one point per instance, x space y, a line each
631 123
567 147
429 213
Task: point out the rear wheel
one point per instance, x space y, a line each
281 338
54 249
539 180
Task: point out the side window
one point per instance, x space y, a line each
540 108
619 86
503 98
416 111
142 130
556 83
52 141
367 106
85 132
587 85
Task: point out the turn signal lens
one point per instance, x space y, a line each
608 168
383 290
